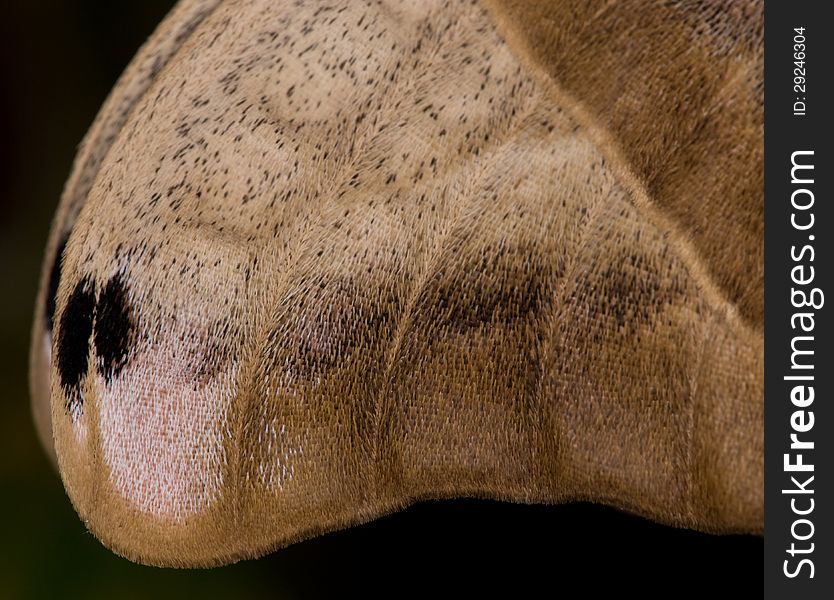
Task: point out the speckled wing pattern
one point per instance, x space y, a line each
318 261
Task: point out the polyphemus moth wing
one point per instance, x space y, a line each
318 261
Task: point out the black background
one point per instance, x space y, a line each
58 60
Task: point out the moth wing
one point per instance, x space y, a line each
140 74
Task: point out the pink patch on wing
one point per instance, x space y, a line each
163 431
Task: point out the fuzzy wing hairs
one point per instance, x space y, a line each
317 262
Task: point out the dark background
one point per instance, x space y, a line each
785 134
58 61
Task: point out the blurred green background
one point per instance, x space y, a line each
58 61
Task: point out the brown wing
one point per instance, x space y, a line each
341 258
675 92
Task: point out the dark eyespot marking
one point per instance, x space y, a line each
74 341
113 334
628 292
54 280
331 323
503 286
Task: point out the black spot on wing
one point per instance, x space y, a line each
113 332
54 280
74 341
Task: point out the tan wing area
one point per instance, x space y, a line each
341 258
675 90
